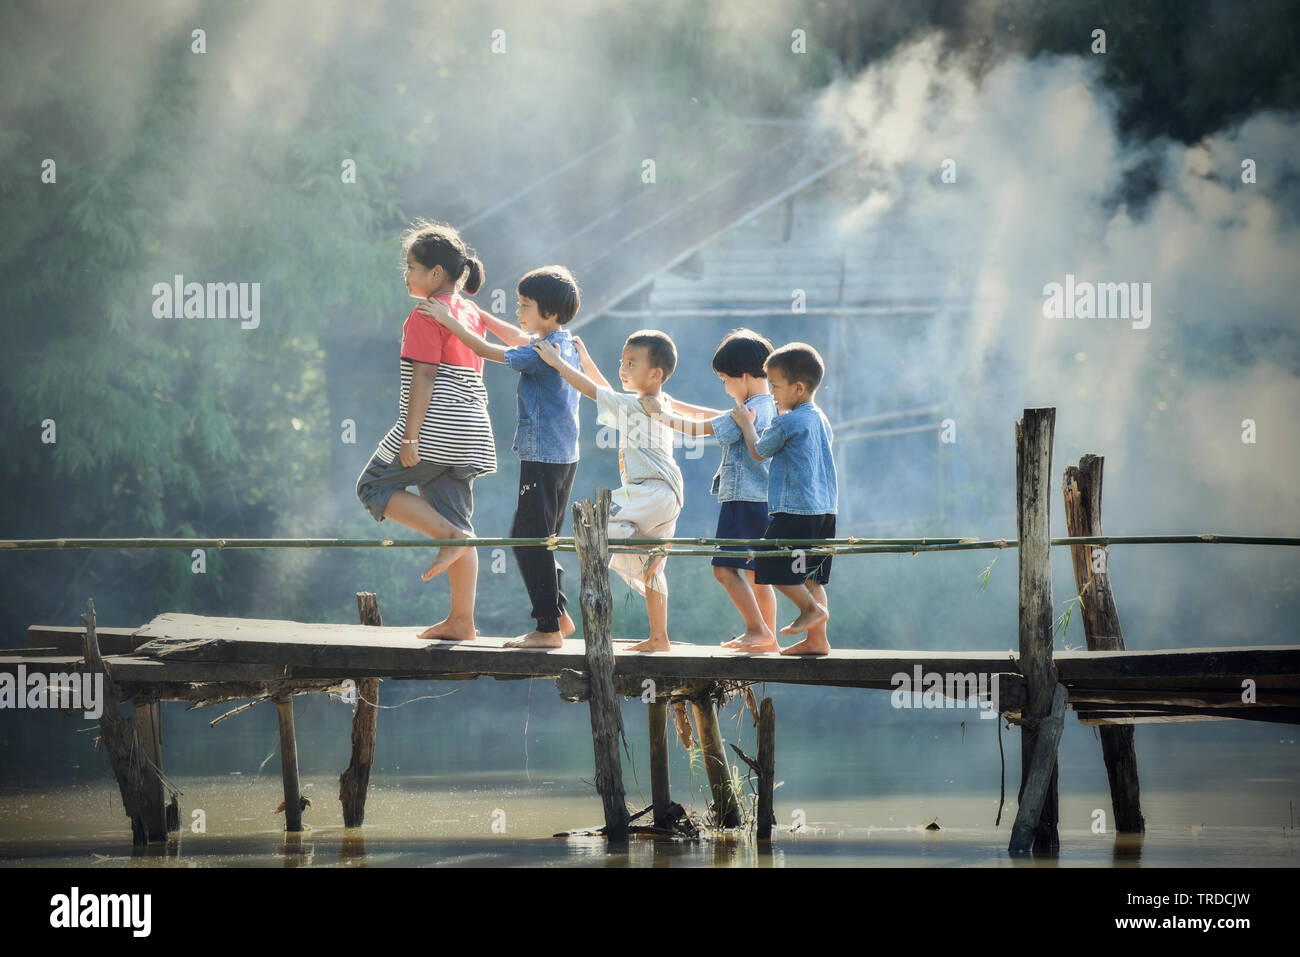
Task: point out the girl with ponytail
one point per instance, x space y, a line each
443 437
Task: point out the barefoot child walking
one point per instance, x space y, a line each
740 483
802 491
443 438
650 499
546 436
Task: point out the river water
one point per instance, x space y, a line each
1214 795
413 822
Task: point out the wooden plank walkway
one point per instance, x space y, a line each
1109 686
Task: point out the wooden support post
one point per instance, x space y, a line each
658 712
1082 488
766 768
725 808
148 717
289 764
1034 435
356 779
591 541
120 737
1042 773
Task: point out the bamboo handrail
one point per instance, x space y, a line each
677 546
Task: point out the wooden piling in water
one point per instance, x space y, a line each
766 768
1041 777
657 710
1034 433
725 807
148 717
591 540
121 739
289 764
356 779
1082 489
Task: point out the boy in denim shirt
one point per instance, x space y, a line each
802 491
740 482
546 438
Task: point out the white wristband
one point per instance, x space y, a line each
410 441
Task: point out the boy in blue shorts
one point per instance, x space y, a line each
802 490
740 482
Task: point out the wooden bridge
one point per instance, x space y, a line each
209 661
193 658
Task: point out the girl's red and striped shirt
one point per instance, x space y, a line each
456 428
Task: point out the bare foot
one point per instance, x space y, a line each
537 639
817 634
441 561
566 625
756 644
450 629
732 642
809 646
807 619
652 644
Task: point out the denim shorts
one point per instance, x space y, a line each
449 489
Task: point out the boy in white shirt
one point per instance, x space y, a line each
650 499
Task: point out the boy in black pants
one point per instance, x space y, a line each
546 437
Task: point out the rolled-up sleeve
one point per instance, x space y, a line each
725 429
523 358
770 442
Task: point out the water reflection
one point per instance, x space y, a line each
159 850
295 851
727 849
447 822
352 852
1128 847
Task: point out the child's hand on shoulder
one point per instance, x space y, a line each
437 311
584 357
742 413
550 355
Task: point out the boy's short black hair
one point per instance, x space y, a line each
659 348
743 351
554 290
798 362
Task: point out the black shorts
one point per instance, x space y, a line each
739 520
796 569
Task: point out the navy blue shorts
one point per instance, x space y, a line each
791 569
740 520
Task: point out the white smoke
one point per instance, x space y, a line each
1040 168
